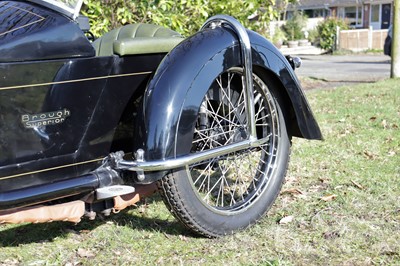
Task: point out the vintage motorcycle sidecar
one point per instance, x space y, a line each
90 128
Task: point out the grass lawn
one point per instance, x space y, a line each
340 204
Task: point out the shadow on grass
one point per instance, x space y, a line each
47 232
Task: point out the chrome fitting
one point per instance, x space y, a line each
297 62
140 158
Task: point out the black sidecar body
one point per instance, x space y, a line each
90 127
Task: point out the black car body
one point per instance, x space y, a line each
387 48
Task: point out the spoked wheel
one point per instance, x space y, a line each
230 192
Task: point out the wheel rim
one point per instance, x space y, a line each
234 182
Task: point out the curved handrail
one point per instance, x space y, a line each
244 40
141 166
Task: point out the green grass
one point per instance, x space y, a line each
343 195
367 51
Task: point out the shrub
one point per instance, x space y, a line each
294 26
327 32
313 37
184 16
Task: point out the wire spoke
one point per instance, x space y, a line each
233 182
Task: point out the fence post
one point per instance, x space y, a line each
370 36
337 41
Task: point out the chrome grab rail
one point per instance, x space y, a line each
141 166
158 165
245 46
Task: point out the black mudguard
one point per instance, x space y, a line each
174 95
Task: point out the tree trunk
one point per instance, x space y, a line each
395 72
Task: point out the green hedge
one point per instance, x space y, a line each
183 16
327 32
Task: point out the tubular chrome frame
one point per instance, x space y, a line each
245 46
160 165
140 165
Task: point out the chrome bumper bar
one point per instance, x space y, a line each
140 165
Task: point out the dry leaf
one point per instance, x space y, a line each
331 235
72 263
292 191
84 253
384 124
286 220
369 155
329 197
389 253
183 238
357 184
324 179
10 262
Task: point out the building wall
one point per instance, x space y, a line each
366 10
337 9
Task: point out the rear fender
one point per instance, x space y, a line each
174 95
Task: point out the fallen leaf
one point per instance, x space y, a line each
286 220
373 118
357 184
329 197
183 238
389 140
10 262
324 179
389 253
331 235
369 155
292 191
73 263
384 124
84 253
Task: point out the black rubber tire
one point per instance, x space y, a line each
183 196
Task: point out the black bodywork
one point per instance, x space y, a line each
63 109
387 47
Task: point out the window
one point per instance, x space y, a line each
354 15
375 13
315 13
